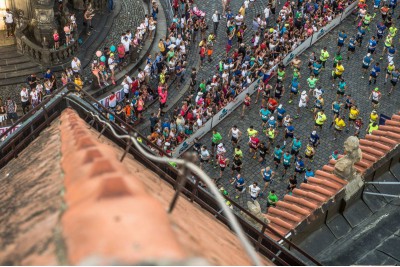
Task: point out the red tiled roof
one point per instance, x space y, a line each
96 182
293 210
116 211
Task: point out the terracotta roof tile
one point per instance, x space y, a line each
375 145
328 168
372 150
301 202
293 209
309 195
318 189
389 128
381 139
285 215
281 230
329 185
396 117
388 134
330 176
395 123
281 223
370 157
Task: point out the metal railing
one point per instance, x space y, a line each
40 117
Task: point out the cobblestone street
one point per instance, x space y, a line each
357 86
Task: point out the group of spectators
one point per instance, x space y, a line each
103 68
273 36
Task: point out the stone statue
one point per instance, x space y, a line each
344 167
255 209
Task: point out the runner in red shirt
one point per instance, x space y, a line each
253 144
272 104
223 162
246 103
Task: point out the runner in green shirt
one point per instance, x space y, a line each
312 82
215 140
281 74
338 57
272 199
296 73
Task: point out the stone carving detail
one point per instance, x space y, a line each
344 167
255 209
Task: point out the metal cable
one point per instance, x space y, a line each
200 173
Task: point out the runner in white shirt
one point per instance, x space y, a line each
220 150
254 191
286 120
302 102
318 92
236 134
204 156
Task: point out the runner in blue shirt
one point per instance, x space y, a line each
289 132
280 114
272 122
391 51
294 90
374 73
299 165
372 45
277 156
341 89
309 173
352 46
296 145
239 186
367 60
360 35
314 138
287 158
380 30
342 37
264 114
392 5
267 175
317 65
336 110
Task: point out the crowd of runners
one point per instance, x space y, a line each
272 35
275 137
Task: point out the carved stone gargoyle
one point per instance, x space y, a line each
344 167
255 209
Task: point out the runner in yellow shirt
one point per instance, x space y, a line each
373 117
320 119
353 115
338 72
339 126
324 57
251 132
